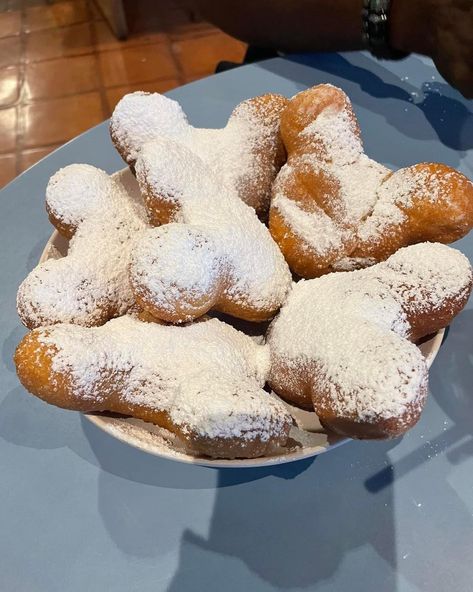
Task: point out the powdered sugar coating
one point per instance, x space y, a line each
347 332
207 376
367 212
91 283
317 231
359 184
337 152
394 198
426 275
240 253
334 136
177 258
240 154
140 116
77 192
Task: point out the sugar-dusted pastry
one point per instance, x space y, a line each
90 285
203 382
245 155
343 343
211 252
334 208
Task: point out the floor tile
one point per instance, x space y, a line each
143 15
29 157
137 64
13 4
188 79
59 42
62 72
9 86
161 86
106 40
7 168
95 11
58 120
31 3
9 51
200 55
10 23
60 14
7 129
64 76
191 30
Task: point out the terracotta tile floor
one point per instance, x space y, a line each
62 70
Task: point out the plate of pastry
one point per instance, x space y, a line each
244 296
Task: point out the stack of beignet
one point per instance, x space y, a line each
118 322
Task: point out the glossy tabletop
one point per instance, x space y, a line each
80 511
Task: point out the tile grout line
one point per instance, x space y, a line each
174 36
95 53
20 116
35 101
42 146
88 51
177 64
169 39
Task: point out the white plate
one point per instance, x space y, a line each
307 439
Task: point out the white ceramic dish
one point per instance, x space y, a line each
307 438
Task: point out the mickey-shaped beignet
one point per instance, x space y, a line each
343 343
90 285
203 382
212 251
245 155
336 209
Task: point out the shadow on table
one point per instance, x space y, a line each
290 525
449 116
27 421
450 384
293 533
129 463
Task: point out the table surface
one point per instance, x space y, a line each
81 511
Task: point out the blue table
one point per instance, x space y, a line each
80 511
